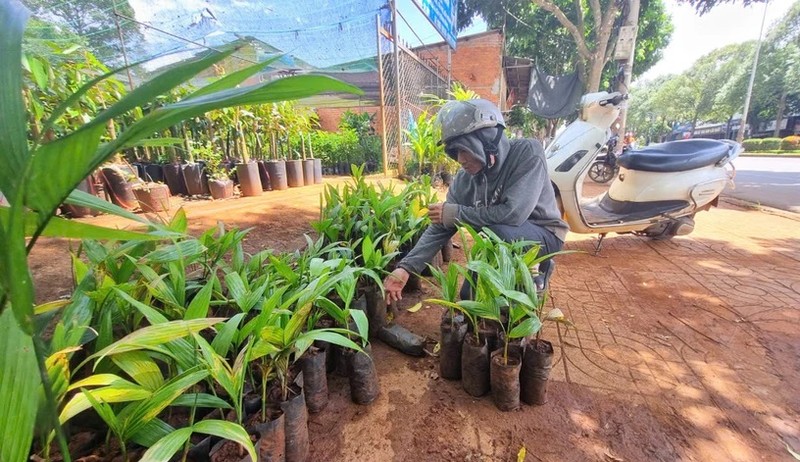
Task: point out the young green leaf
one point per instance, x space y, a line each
157 287
83 199
223 340
167 446
362 324
229 431
61 227
147 410
46 189
110 394
330 336
105 412
187 250
151 433
233 79
141 368
13 121
98 380
527 327
198 308
179 222
200 400
18 388
152 337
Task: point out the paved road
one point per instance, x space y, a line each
769 181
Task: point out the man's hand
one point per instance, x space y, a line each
435 212
394 283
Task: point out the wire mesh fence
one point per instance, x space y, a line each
338 39
407 82
308 36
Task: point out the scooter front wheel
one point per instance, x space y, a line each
601 172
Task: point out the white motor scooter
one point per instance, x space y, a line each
658 188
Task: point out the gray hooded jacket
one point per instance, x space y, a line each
515 189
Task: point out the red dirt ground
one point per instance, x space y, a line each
684 350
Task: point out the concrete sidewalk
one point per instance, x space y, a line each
703 328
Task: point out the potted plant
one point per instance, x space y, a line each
294 171
90 185
246 170
304 119
276 165
193 171
424 142
287 122
537 360
317 163
119 181
219 182
152 197
282 341
374 262
154 169
474 349
172 171
453 327
507 290
361 373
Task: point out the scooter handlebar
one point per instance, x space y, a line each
615 98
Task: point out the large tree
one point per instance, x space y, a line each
779 72
95 21
562 35
649 117
711 90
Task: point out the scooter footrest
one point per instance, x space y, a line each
610 211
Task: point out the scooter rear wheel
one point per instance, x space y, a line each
601 172
669 229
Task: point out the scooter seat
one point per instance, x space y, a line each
676 156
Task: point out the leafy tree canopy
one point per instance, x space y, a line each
535 30
704 6
93 20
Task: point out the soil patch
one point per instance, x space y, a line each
683 350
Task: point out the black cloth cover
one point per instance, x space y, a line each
554 97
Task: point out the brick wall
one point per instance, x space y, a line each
477 63
329 117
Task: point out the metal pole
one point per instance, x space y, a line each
396 41
632 19
384 151
122 42
743 121
449 67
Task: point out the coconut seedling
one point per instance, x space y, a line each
497 290
453 328
283 339
374 262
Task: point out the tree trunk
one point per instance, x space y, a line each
243 144
187 144
594 59
779 116
595 74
